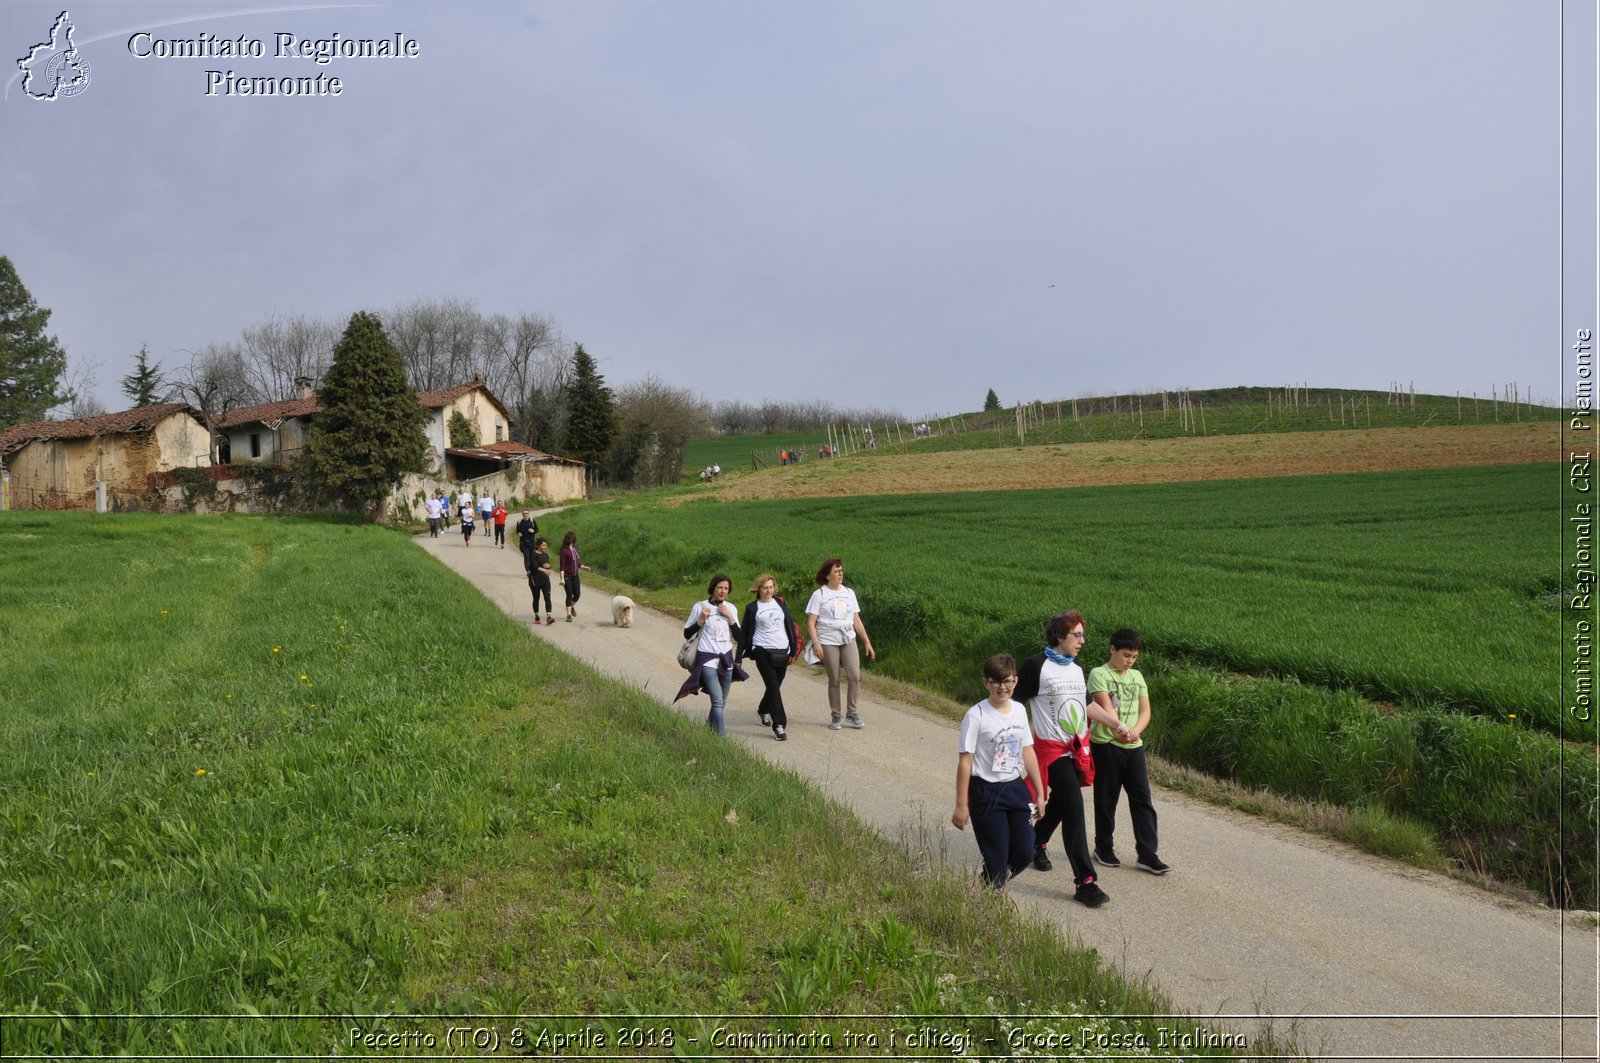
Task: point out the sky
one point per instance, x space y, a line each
876 203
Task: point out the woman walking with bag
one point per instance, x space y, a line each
833 622
717 624
767 636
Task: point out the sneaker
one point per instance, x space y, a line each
780 734
1106 859
766 718
1090 895
1041 860
855 721
834 724
1152 865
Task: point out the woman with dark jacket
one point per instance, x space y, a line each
767 635
714 624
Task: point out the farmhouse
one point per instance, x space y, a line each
87 463
276 431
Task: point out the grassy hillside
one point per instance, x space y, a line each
1275 611
1156 415
258 769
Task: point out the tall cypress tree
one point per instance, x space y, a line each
369 432
591 412
31 364
144 385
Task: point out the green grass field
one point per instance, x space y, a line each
255 767
1425 590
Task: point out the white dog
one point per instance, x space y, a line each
622 611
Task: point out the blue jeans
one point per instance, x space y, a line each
716 683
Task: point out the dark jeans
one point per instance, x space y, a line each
1065 810
539 583
1002 827
1115 770
773 665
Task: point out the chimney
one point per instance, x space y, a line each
302 387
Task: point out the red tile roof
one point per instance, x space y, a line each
269 411
138 419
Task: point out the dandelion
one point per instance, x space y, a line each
302 679
277 649
163 612
199 771
90 774
1511 715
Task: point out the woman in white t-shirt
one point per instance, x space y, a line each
768 637
714 671
833 621
994 757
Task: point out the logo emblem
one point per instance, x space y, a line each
55 69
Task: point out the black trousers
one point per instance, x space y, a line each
773 665
573 588
1065 810
539 583
1117 770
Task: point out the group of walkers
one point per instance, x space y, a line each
1025 752
492 514
536 563
1018 784
768 635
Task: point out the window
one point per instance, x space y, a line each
255 444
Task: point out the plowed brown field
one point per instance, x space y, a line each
1154 461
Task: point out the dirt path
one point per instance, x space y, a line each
1356 956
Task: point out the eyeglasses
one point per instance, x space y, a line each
1075 634
1009 680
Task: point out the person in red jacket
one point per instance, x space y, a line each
500 525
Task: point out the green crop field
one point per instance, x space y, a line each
1433 591
262 779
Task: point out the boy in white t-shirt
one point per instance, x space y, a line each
995 756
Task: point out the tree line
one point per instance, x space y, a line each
556 397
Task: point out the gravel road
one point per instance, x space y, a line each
1354 956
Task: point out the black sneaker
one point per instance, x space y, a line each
1041 860
1106 859
1090 895
1153 865
780 734
766 718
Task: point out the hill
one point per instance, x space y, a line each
1155 415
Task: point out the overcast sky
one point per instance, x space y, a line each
893 203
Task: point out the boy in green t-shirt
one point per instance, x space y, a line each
1118 687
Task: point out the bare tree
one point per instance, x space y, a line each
216 380
281 350
438 341
77 401
528 368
